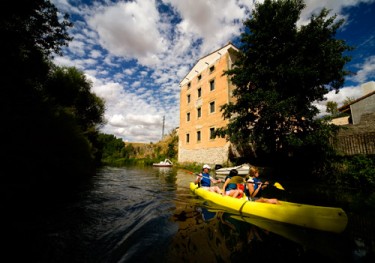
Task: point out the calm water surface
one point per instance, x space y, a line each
148 214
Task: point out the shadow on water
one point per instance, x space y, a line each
148 214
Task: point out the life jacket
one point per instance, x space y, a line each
206 180
254 180
234 182
256 185
242 188
231 185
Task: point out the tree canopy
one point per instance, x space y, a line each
282 69
50 116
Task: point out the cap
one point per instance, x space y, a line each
206 166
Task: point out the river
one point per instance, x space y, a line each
148 214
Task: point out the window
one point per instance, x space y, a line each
212 107
212 133
188 116
199 112
187 138
188 98
212 85
199 92
212 68
189 85
199 77
198 136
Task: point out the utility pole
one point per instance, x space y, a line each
162 134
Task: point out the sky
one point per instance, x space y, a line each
137 52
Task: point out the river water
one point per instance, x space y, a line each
148 214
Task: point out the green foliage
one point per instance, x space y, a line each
332 108
352 172
129 151
172 149
111 146
70 90
280 72
50 117
192 167
348 100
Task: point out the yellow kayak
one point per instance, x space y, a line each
331 219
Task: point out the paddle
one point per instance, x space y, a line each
276 184
239 179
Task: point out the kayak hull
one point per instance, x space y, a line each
331 219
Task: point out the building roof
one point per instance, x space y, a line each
346 107
207 61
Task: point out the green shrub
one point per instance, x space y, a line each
353 172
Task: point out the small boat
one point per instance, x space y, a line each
242 169
330 219
165 163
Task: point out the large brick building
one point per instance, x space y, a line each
203 90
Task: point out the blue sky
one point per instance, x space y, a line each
137 52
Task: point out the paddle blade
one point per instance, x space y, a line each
278 186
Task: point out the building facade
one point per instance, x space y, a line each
363 105
203 91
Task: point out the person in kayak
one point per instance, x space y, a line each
255 188
230 188
205 179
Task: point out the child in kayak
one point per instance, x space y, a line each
255 188
230 188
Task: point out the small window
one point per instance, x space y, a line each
199 112
187 138
198 136
212 107
199 77
188 98
189 85
199 92
212 133
212 85
188 116
212 68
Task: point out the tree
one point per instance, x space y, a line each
281 71
111 146
67 92
69 89
49 115
348 100
332 108
172 149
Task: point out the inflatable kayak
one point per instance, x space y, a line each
331 219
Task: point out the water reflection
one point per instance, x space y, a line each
227 236
210 234
143 214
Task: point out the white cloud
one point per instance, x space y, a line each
352 92
336 7
129 30
136 56
366 71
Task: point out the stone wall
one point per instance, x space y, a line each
366 124
357 139
211 156
359 109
